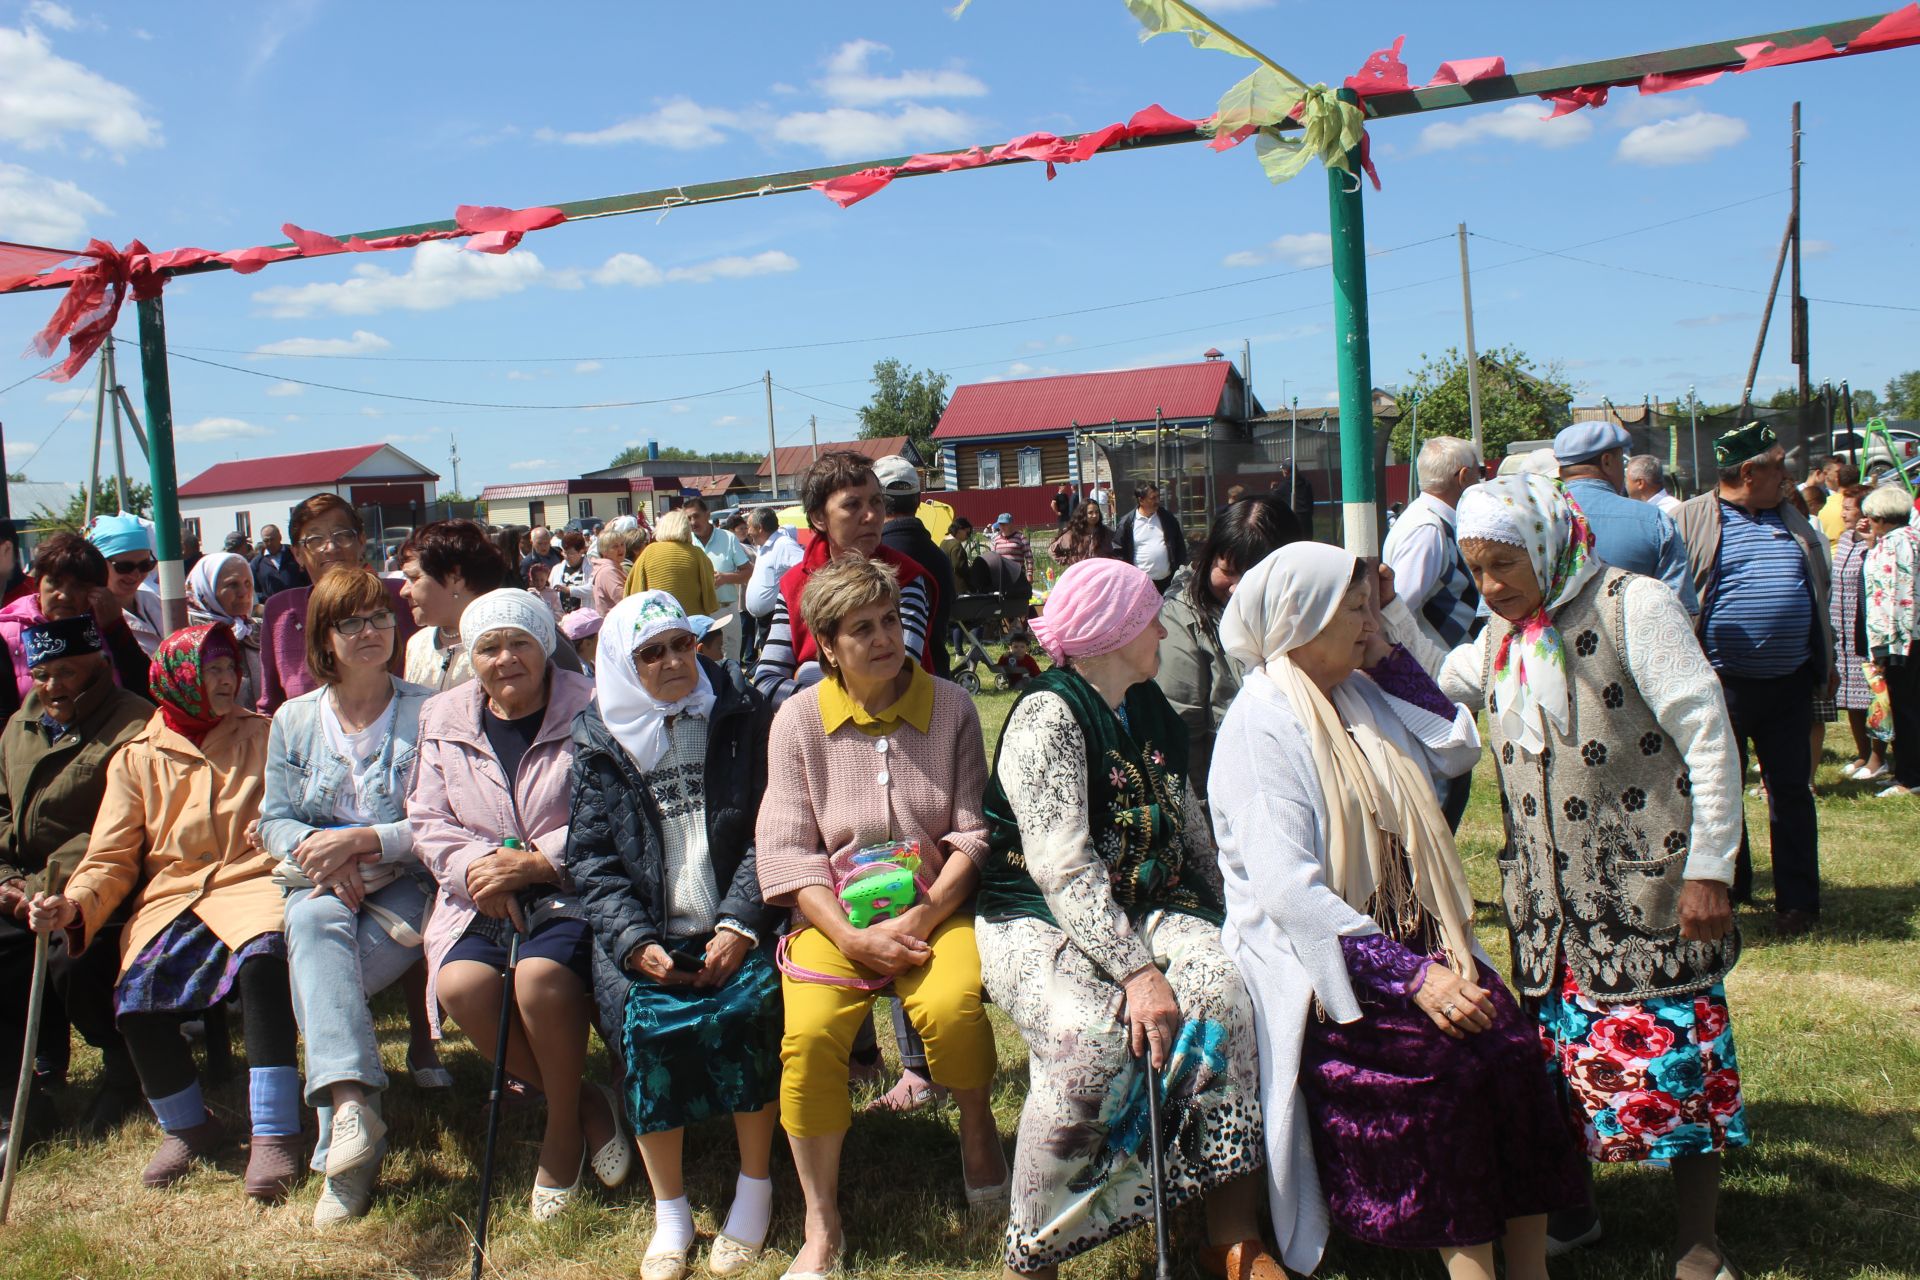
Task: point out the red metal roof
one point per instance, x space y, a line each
525 489
289 471
714 486
793 459
1025 405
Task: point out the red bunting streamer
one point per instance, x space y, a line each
1661 82
97 288
1767 54
1570 100
1045 148
1384 72
1900 27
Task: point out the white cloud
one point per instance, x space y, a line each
1816 248
587 366
41 210
280 22
1041 344
371 411
286 389
848 80
726 420
72 393
1520 122
211 430
848 133
49 14
679 408
632 270
1302 249
44 97
1715 320
530 464
519 375
1021 369
360 344
440 275
417 437
679 123
1685 140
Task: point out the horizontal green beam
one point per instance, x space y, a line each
1529 84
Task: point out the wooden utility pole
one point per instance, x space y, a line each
773 446
1473 357
1799 339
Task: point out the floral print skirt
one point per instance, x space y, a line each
186 968
696 1055
1081 1172
1648 1080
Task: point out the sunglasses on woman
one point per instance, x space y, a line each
133 566
350 627
680 645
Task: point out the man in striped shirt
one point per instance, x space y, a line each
1762 578
847 513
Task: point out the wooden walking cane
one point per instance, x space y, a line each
17 1136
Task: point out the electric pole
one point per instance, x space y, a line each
1799 335
773 446
453 459
1473 357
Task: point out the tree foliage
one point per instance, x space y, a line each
1519 399
73 517
1903 395
906 402
674 453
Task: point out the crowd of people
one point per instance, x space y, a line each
1209 865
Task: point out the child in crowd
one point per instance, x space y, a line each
713 635
1018 666
582 628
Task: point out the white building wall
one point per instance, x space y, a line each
218 514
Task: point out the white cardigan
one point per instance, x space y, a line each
1284 923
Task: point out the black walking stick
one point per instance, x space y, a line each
17 1137
1162 1270
495 1100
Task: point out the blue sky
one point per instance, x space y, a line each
211 124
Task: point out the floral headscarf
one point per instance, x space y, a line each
1535 514
178 677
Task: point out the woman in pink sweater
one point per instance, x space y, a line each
878 763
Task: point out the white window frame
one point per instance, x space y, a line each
190 528
243 523
586 509
987 460
623 506
1031 455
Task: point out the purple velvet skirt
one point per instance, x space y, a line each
1426 1142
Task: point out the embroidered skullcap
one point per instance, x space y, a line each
67 638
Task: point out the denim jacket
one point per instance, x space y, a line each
305 775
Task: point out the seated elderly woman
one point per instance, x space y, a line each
1889 608
490 810
875 808
1405 1098
69 580
667 775
339 765
206 919
220 589
1620 783
1100 936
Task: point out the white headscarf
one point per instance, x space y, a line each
1378 799
508 607
202 592
637 719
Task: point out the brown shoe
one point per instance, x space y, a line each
1793 922
179 1150
1248 1260
273 1166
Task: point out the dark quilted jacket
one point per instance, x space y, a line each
614 852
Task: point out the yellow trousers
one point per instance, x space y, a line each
942 998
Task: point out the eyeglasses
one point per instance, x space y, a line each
680 646
338 540
381 621
133 566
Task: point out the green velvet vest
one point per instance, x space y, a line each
1136 808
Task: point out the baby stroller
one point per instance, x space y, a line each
994 599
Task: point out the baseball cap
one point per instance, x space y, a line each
896 475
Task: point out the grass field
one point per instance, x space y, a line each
1829 1038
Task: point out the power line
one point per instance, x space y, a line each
24 381
1658 275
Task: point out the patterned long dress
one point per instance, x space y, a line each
1081 1168
1849 557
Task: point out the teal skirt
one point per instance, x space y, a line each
693 1055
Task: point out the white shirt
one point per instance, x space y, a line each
728 556
1667 503
1419 549
777 555
1150 546
359 751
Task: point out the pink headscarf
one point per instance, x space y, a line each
1097 606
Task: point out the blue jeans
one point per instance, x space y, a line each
339 959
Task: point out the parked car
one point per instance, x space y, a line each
1856 444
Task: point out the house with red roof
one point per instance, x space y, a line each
1023 438
248 495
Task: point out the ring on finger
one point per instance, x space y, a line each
1449 1009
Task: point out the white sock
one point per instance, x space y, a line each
672 1226
752 1210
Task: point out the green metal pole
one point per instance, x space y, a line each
1346 220
166 486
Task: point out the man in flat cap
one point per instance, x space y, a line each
53 773
1636 536
1762 577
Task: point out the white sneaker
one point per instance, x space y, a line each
355 1140
346 1196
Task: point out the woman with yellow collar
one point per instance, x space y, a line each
872 830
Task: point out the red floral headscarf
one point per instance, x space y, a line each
179 681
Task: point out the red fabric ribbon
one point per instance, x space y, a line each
1044 148
97 289
1571 100
1902 26
1384 72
